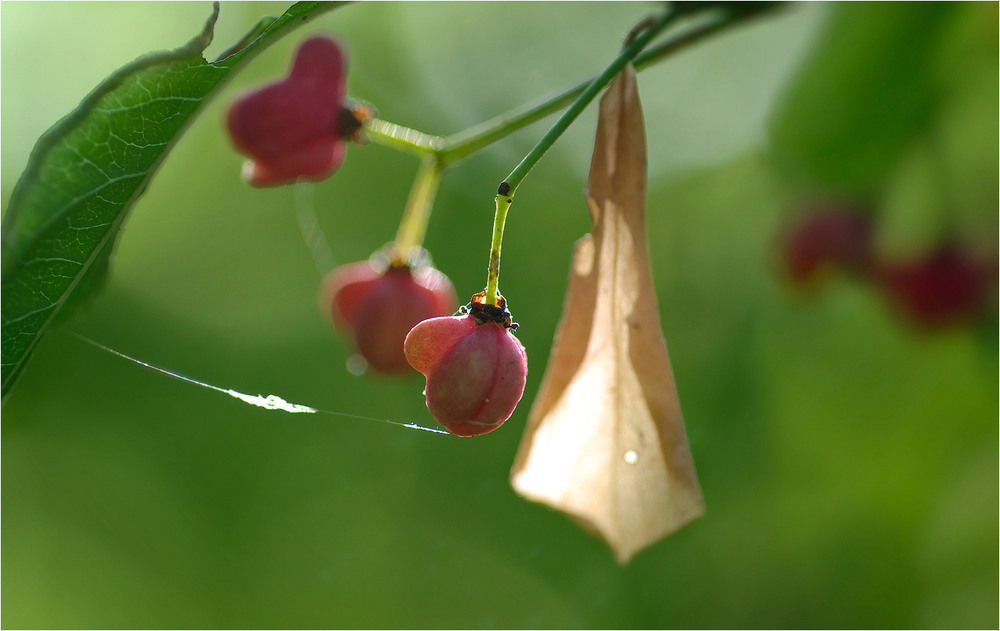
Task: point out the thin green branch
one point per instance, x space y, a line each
512 181
455 147
465 143
471 140
403 138
493 273
413 224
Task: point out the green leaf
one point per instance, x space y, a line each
87 171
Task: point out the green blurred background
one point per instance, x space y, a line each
849 461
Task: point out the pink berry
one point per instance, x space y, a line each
377 309
830 234
295 128
947 287
475 370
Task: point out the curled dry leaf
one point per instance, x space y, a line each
605 439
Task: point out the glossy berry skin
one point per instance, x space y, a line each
947 287
831 235
295 128
475 372
377 309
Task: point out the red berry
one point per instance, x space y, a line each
475 371
948 287
377 309
295 128
832 234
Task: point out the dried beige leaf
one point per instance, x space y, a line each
605 438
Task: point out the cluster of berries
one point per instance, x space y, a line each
395 312
951 285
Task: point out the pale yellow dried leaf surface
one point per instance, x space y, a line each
605 439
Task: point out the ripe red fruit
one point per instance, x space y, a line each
948 287
831 234
475 369
295 128
376 309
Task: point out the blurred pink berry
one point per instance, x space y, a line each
830 234
475 370
295 128
948 287
377 309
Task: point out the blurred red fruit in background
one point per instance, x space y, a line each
295 128
376 309
949 286
831 234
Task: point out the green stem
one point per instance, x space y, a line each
683 40
471 140
404 138
512 181
413 224
456 147
493 275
